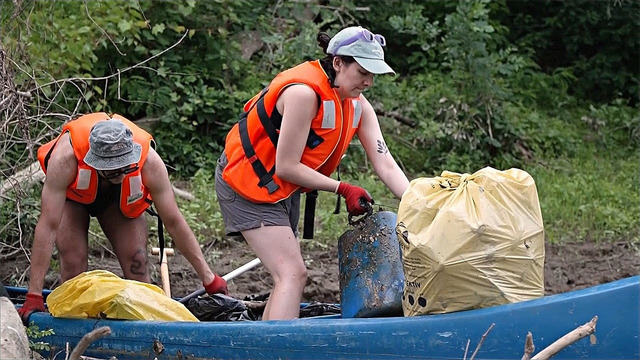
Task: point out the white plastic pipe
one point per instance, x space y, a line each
242 269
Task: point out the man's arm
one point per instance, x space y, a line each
61 172
156 179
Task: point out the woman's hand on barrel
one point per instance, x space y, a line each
356 198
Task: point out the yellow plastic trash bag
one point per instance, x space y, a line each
102 294
470 241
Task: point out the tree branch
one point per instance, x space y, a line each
86 340
86 8
396 115
571 337
529 348
484 336
117 74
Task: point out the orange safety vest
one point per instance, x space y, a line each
134 196
251 162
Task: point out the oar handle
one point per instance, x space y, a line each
242 269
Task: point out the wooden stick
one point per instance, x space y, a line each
571 337
87 339
473 356
529 348
164 268
466 349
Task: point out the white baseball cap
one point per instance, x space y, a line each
364 46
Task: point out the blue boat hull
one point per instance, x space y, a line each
426 337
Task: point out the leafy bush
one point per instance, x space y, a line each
596 40
479 83
615 127
33 333
203 212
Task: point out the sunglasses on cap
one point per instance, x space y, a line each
362 34
112 174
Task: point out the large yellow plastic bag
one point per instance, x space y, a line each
470 241
102 294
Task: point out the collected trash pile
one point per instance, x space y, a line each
220 307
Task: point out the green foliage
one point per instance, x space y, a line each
499 83
63 39
541 134
593 195
418 38
19 212
471 117
203 212
188 92
597 40
615 127
532 88
33 333
460 109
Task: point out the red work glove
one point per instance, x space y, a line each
353 195
217 286
34 303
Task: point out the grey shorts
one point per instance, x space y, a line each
240 214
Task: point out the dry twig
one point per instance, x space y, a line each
26 111
183 193
571 337
117 74
466 349
529 348
86 8
484 336
87 340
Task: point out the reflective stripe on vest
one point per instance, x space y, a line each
357 112
329 114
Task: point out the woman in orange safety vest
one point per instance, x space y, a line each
290 139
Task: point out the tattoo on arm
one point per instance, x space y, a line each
382 147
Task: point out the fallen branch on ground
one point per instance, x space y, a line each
28 176
23 178
183 193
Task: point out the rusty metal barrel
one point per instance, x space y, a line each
370 264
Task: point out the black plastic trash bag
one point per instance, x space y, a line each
319 309
220 307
